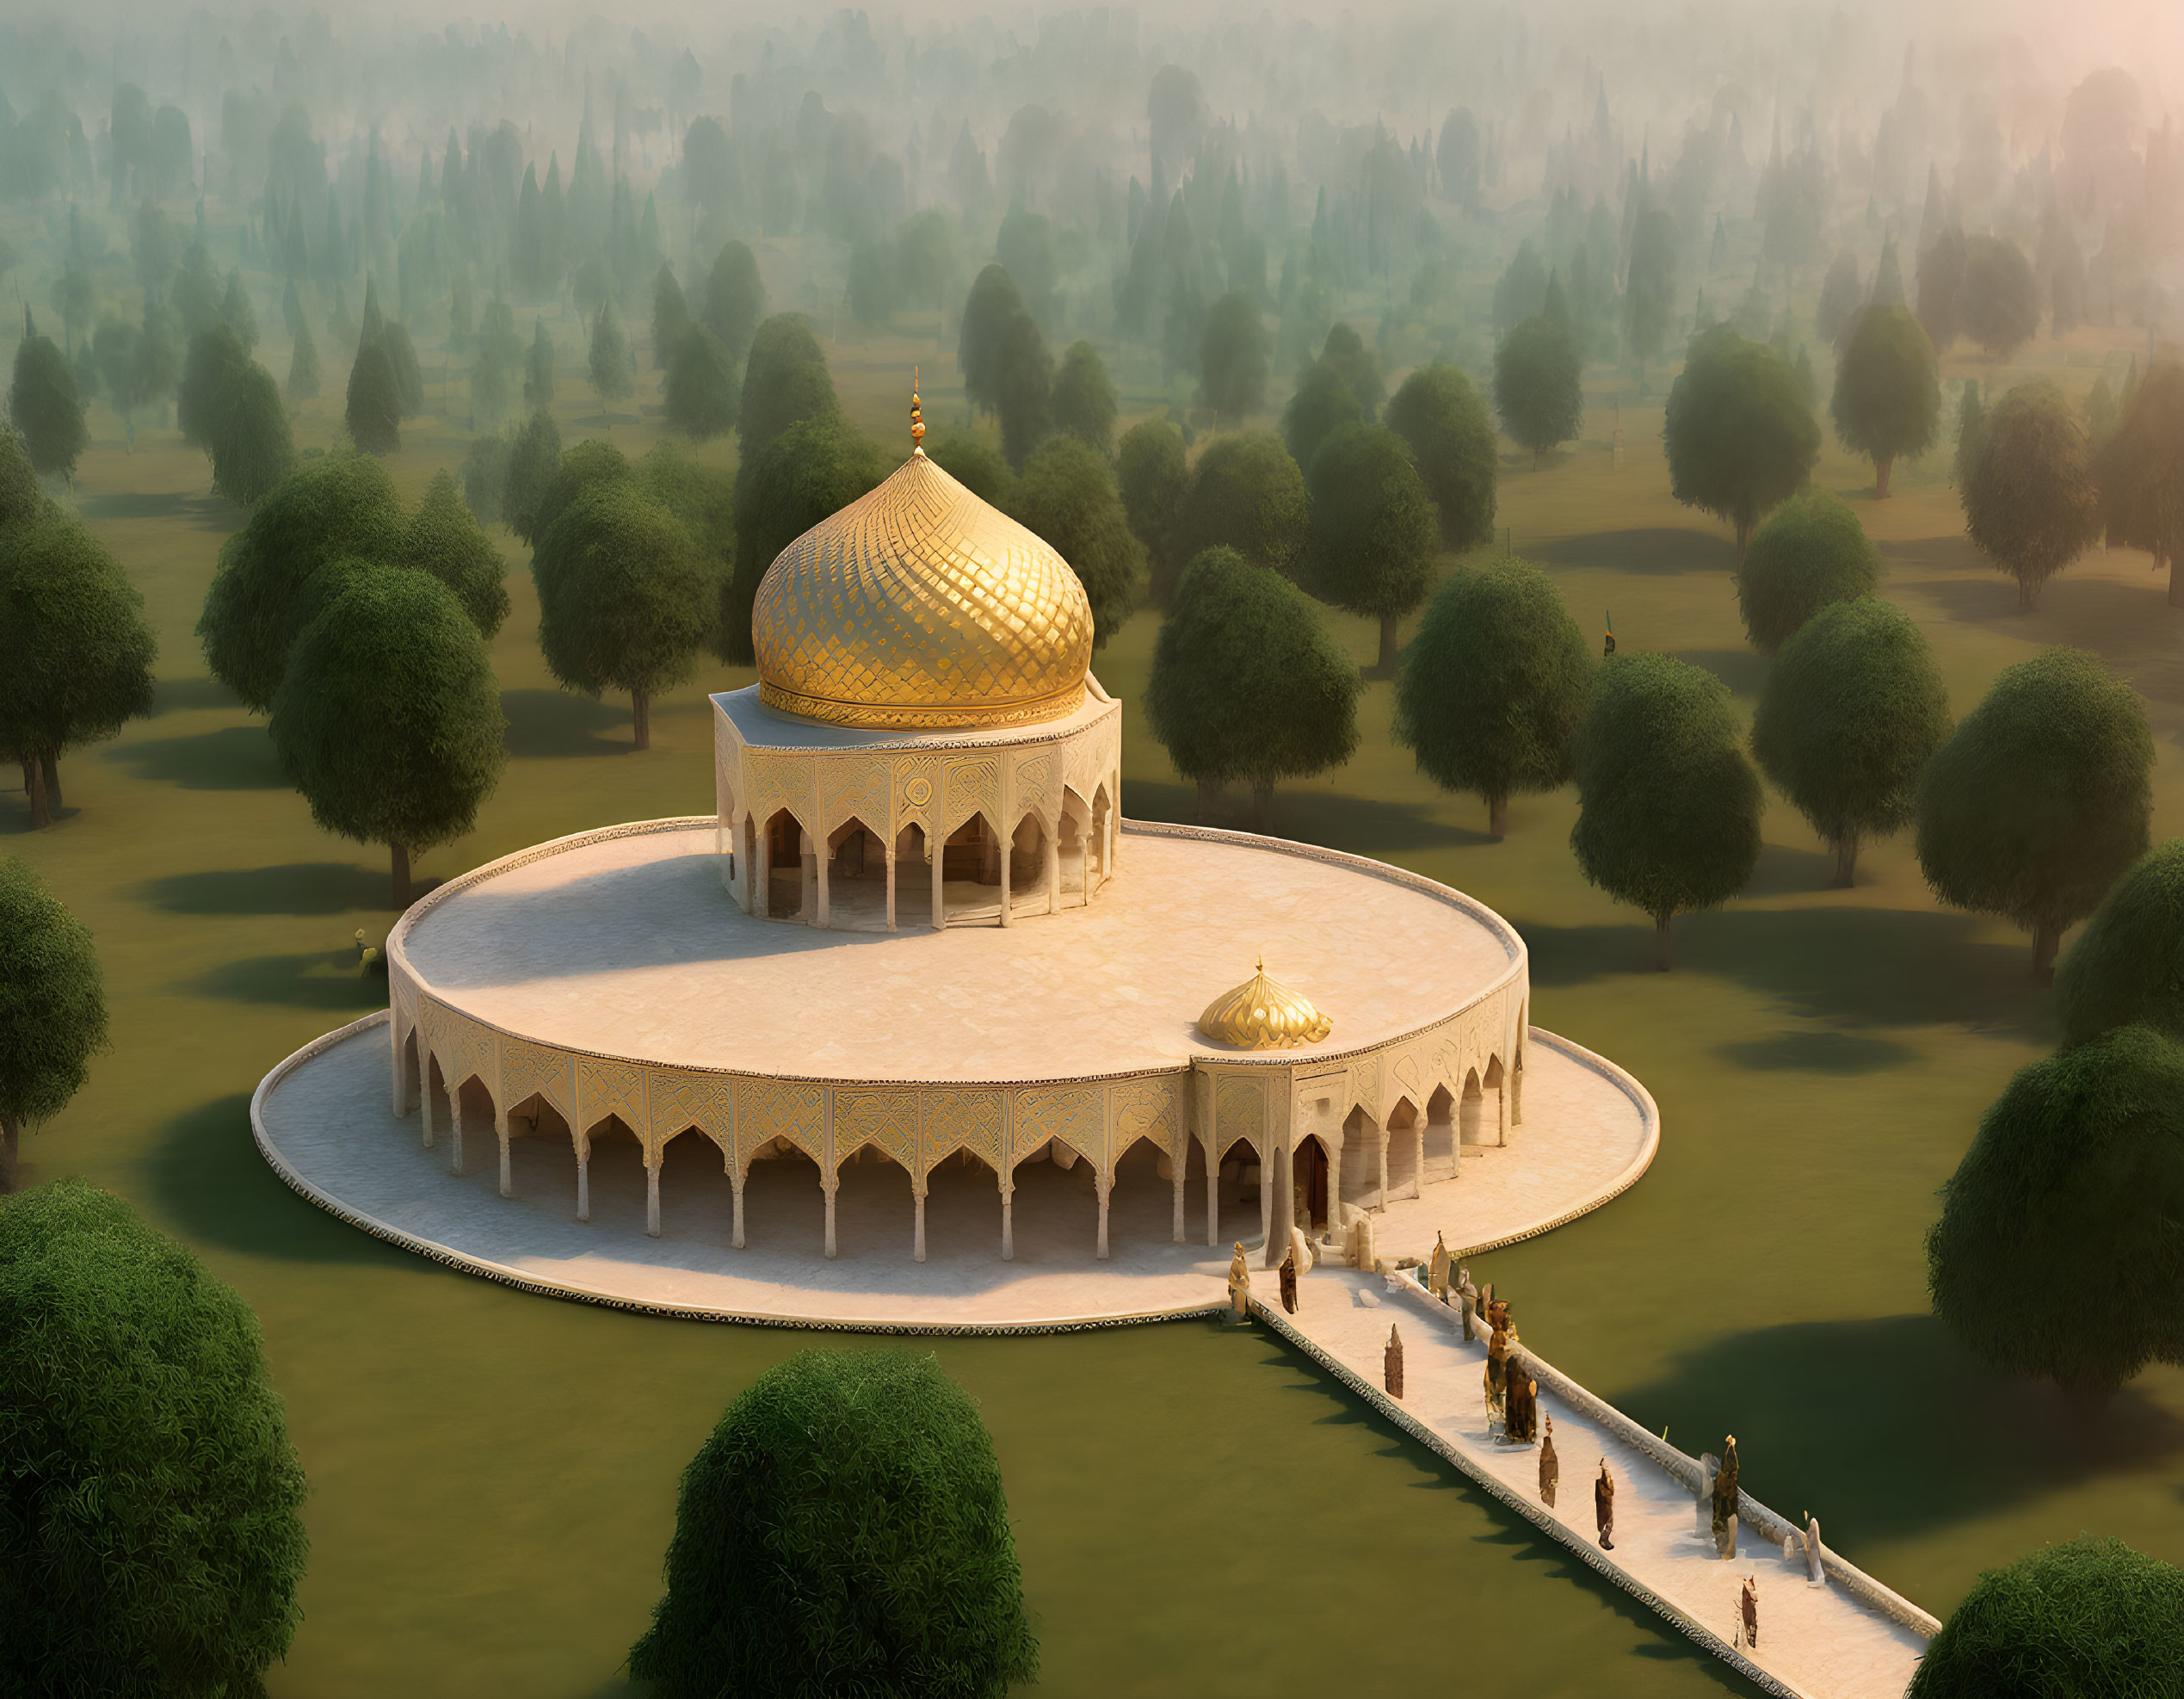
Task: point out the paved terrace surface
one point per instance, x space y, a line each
1814 1642
323 1120
628 947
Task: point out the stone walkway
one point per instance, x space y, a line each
322 1120
1851 1639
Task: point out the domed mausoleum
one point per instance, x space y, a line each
915 972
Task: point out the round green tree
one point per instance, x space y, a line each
1067 496
2139 469
624 602
20 497
1852 711
844 1530
1811 553
2092 1619
153 1539
76 651
811 470
1246 494
52 1013
1246 683
1669 807
977 467
1321 405
2060 1250
443 539
608 362
1373 532
1232 354
2127 966
1888 390
1083 404
704 389
43 404
1536 385
247 434
1154 474
534 459
1345 350
785 382
1442 418
995 302
734 298
2029 500
1999 304
388 718
374 409
2041 800
1740 435
1494 685
594 461
330 510
1023 387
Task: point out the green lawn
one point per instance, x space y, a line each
494 1475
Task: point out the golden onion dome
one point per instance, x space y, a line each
1263 1014
921 607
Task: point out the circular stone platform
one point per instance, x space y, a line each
322 1119
624 945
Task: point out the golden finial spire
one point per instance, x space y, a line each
918 418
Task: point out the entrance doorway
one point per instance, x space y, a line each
1309 1173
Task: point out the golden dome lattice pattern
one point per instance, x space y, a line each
920 606
1263 1014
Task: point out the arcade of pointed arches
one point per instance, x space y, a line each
874 833
1214 1132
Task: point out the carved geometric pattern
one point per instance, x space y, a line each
854 786
1069 1113
1149 1108
1239 1111
1365 1086
677 1101
972 789
963 1120
462 1047
527 1069
885 1119
1406 1070
1034 783
782 1108
609 1088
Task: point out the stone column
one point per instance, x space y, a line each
1384 1136
1008 1219
808 883
1501 1109
1182 1179
1267 1177
401 1075
652 1161
424 1091
508 1165
829 1184
1007 854
1053 867
583 1183
1418 1171
736 1180
822 862
455 1130
939 846
1213 1197
917 1199
894 846
1107 1182
762 871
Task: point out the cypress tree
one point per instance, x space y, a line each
373 411
538 367
43 404
303 366
609 361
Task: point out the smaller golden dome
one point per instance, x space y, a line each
1263 1014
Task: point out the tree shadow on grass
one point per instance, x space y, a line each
1852 966
1887 1427
136 504
543 724
234 757
209 1177
1786 871
1361 825
297 887
1816 1051
328 979
1657 550
175 695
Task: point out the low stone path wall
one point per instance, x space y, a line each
1851 1639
